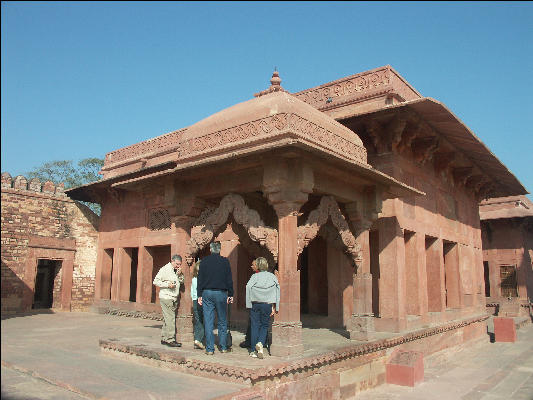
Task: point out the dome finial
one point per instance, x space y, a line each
275 84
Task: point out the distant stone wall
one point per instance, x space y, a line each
40 221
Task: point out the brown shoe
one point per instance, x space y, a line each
171 344
210 353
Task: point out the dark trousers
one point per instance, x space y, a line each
260 318
215 301
198 321
248 336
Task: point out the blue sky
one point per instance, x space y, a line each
81 79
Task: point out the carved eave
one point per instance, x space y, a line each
433 132
97 191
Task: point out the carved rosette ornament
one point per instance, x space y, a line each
211 220
329 208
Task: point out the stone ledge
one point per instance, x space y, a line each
296 366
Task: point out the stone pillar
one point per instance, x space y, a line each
435 275
66 282
287 327
415 267
392 287
184 322
454 292
104 266
362 321
124 274
115 275
145 268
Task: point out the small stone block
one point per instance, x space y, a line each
405 368
504 330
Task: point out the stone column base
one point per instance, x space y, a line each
287 339
184 329
362 327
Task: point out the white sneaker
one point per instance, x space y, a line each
253 355
198 345
259 350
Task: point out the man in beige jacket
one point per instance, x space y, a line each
169 279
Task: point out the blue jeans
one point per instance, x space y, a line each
198 321
215 300
260 318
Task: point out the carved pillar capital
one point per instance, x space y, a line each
287 184
284 209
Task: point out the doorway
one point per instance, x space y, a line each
45 283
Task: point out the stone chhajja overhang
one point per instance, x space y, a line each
434 134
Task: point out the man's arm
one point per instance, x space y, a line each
158 280
229 279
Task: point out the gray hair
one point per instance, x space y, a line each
215 247
261 263
176 257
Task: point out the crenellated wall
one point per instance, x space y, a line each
40 222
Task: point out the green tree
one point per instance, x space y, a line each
85 171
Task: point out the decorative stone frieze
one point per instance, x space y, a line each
268 127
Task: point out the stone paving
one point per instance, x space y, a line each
484 371
56 356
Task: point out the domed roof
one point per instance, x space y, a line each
273 114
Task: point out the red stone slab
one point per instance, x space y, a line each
504 330
405 368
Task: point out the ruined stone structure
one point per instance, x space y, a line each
507 233
362 192
48 247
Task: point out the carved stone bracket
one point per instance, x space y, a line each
211 220
329 208
461 174
423 148
443 160
116 194
474 182
409 134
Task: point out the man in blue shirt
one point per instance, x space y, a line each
215 291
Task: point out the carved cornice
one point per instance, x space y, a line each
348 89
211 220
328 208
158 144
271 126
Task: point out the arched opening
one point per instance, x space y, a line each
326 279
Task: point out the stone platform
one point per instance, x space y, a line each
332 366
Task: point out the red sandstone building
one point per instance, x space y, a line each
507 233
48 248
363 192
